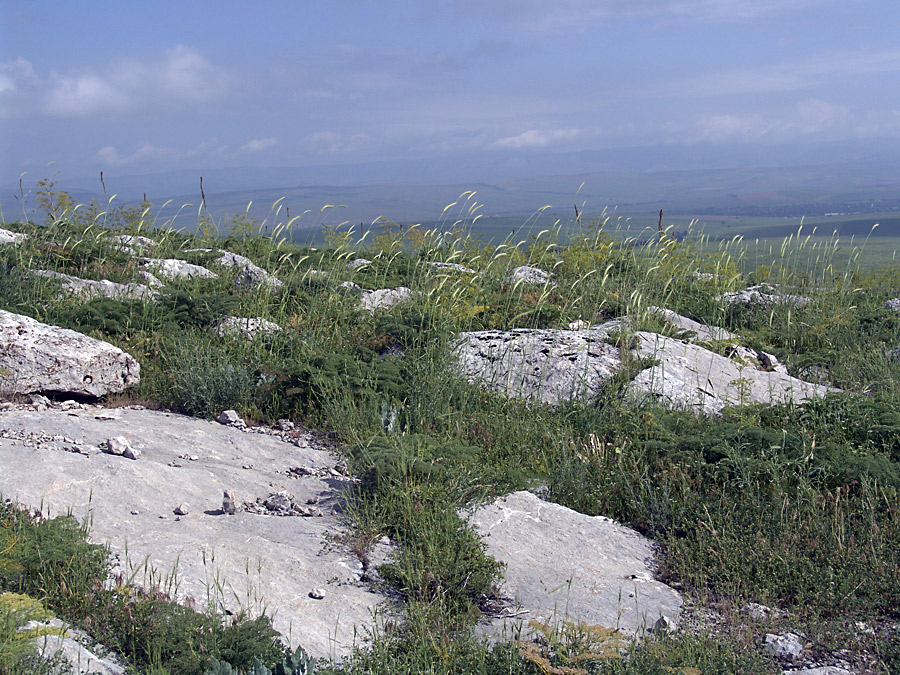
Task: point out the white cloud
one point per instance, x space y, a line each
258 144
535 138
178 78
109 155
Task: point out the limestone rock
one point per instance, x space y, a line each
230 418
276 559
120 446
36 357
564 565
132 242
456 267
549 366
247 327
819 670
250 274
229 503
764 295
784 646
358 263
893 304
175 268
702 332
88 289
385 298
528 275
689 376
10 237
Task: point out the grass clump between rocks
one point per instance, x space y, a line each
793 506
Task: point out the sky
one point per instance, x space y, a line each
134 88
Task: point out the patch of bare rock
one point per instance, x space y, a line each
565 566
169 508
36 357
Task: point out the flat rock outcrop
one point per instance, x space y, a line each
689 376
89 288
36 357
548 365
564 565
50 459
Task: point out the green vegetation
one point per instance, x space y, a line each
796 507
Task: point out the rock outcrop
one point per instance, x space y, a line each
553 366
764 295
175 268
529 275
167 508
88 289
550 366
35 357
689 376
385 298
250 275
564 565
249 328
10 237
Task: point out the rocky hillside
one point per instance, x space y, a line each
422 453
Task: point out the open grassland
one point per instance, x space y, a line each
795 507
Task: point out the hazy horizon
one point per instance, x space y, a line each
351 92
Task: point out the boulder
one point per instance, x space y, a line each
691 377
564 565
249 274
175 268
358 263
385 298
547 365
35 357
10 237
528 275
88 289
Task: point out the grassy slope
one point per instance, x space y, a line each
793 507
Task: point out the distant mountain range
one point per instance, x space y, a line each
840 179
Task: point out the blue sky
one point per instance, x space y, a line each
131 88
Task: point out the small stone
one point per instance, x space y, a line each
229 503
116 446
131 453
135 512
312 500
280 501
229 418
284 425
317 593
181 510
664 624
